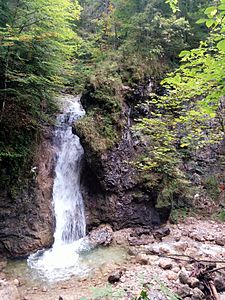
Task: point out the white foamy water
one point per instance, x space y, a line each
62 261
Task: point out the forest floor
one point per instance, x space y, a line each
166 265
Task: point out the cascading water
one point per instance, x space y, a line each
67 198
62 260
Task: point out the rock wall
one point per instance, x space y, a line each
26 221
112 190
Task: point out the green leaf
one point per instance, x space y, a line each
221 7
221 45
212 10
209 23
201 21
184 53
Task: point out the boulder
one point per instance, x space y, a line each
101 236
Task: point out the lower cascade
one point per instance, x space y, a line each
62 260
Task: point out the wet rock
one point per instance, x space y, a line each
183 276
161 232
103 235
115 276
142 259
197 294
8 291
193 282
165 264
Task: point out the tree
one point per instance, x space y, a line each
37 41
189 115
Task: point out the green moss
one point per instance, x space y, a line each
97 131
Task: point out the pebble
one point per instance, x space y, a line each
184 291
133 251
142 259
16 282
193 252
183 277
64 287
176 269
197 236
197 294
165 264
171 276
220 241
115 276
44 289
177 237
193 282
181 246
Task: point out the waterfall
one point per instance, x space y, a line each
67 198
62 260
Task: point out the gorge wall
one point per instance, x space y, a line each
26 218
